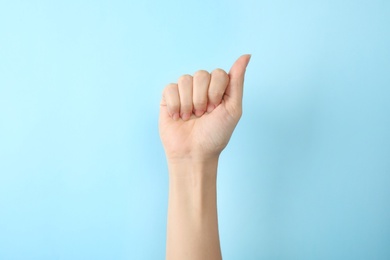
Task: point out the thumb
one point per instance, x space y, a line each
235 88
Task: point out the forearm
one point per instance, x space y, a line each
198 115
192 230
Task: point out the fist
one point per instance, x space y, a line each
199 113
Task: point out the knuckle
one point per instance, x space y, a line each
220 73
202 74
186 78
170 88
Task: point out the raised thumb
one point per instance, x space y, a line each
235 88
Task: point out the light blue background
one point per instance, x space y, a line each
82 170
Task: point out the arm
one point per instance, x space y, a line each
197 118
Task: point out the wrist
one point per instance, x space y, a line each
193 177
193 158
186 166
192 187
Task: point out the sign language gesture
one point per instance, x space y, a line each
199 113
197 118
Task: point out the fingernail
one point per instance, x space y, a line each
198 113
210 108
185 116
250 56
175 116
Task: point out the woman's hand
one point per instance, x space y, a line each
199 113
197 118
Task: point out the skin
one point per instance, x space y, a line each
198 115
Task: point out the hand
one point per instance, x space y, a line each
198 115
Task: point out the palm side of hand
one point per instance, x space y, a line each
205 136
206 131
